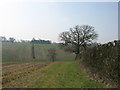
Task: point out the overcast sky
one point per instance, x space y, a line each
46 20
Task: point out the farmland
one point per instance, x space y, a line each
57 44
20 70
21 52
46 75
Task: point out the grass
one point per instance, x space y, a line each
64 75
21 52
46 75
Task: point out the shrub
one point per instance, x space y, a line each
103 60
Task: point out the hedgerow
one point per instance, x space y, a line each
103 60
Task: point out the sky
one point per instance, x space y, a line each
46 20
119 20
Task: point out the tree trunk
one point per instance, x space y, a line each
53 59
77 52
76 56
33 51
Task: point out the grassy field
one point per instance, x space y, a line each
12 52
46 75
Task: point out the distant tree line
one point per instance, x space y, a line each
11 39
40 41
4 39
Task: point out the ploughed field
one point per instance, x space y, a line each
14 72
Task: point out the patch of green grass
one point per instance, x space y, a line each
64 75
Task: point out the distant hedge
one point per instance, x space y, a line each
103 60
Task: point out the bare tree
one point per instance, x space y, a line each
52 53
77 38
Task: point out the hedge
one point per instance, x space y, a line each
103 60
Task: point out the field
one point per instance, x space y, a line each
20 70
14 71
46 75
22 52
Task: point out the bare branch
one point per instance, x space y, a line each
78 36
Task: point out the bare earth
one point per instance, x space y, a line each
14 72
